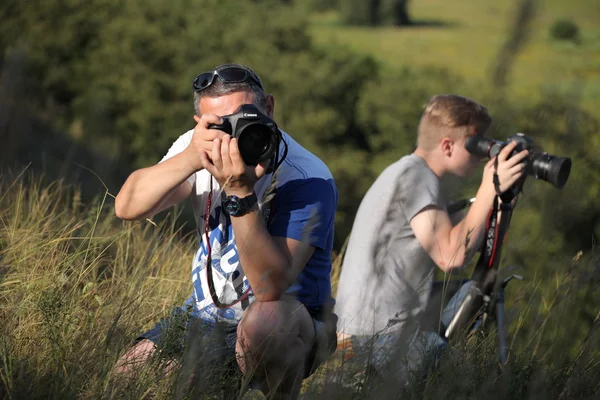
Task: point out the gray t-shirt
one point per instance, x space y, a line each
386 274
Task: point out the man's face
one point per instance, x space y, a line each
465 163
225 105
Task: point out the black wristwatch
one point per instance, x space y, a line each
236 207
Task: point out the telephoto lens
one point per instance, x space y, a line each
541 165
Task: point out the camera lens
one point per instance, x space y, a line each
256 143
552 169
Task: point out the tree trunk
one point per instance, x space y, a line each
374 6
400 10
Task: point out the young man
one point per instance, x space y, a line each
402 231
267 287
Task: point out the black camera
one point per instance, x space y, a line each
541 165
257 135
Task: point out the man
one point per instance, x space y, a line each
267 288
402 232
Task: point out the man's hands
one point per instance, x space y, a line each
509 170
202 139
225 164
219 154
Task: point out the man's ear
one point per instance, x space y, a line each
270 106
447 146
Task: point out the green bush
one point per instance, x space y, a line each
375 12
360 12
321 5
564 29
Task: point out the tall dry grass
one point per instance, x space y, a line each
77 285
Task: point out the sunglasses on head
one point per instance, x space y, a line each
226 75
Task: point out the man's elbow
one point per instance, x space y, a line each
120 209
450 262
127 207
123 210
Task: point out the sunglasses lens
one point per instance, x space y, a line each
232 75
203 81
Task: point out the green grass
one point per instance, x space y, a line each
474 33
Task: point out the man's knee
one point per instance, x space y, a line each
276 322
274 341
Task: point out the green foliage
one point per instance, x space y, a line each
131 97
391 112
395 12
58 48
140 72
564 29
374 12
321 5
360 12
131 80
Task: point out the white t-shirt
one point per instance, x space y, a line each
304 185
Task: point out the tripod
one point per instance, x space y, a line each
483 300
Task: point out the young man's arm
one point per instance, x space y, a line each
148 191
446 244
451 246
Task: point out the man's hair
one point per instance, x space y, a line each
444 113
219 88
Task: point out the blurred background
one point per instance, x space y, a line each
91 90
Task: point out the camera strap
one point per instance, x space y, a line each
209 273
276 162
494 235
496 181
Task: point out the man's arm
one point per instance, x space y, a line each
148 191
273 257
450 246
270 263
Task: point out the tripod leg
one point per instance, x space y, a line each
500 326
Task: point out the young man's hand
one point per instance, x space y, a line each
202 139
509 170
225 164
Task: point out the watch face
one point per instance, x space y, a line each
232 205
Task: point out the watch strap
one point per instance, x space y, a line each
248 202
244 204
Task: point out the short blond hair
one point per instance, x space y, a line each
450 115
